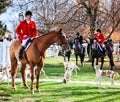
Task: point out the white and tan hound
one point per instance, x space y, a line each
69 67
105 73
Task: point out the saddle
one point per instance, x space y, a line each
98 50
22 52
79 48
28 43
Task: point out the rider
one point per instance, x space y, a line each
99 37
26 31
80 40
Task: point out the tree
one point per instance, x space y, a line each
114 16
3 4
76 15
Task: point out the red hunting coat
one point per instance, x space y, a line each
99 38
28 29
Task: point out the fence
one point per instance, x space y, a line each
4 52
51 51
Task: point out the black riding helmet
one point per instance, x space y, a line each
77 33
98 30
28 13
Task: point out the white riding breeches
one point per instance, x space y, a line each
24 42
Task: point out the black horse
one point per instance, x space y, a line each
67 54
96 53
79 50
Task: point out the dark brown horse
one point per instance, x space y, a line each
79 51
96 53
35 55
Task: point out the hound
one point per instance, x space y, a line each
5 74
69 67
105 73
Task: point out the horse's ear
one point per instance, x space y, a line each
60 30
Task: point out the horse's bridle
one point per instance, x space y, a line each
61 40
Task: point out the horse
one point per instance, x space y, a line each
96 53
79 50
35 56
67 54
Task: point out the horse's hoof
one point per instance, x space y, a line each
26 87
14 88
82 64
38 91
32 92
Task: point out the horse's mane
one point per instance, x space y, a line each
46 34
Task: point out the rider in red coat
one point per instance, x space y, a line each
99 37
26 31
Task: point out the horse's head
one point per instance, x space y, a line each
61 40
108 45
93 43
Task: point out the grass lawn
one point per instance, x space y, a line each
58 92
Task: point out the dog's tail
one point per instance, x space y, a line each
77 67
117 74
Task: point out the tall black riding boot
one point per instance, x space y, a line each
20 53
104 51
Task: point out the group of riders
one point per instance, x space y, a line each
27 31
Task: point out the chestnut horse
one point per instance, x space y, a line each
35 56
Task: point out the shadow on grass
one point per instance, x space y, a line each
58 92
83 93
54 70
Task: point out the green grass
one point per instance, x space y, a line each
58 92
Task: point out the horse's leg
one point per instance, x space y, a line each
82 60
39 67
102 62
23 75
69 54
93 62
32 77
69 57
76 59
111 60
13 69
64 58
97 59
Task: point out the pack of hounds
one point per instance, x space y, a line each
69 67
100 74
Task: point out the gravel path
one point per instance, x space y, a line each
72 81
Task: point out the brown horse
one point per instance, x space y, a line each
35 55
